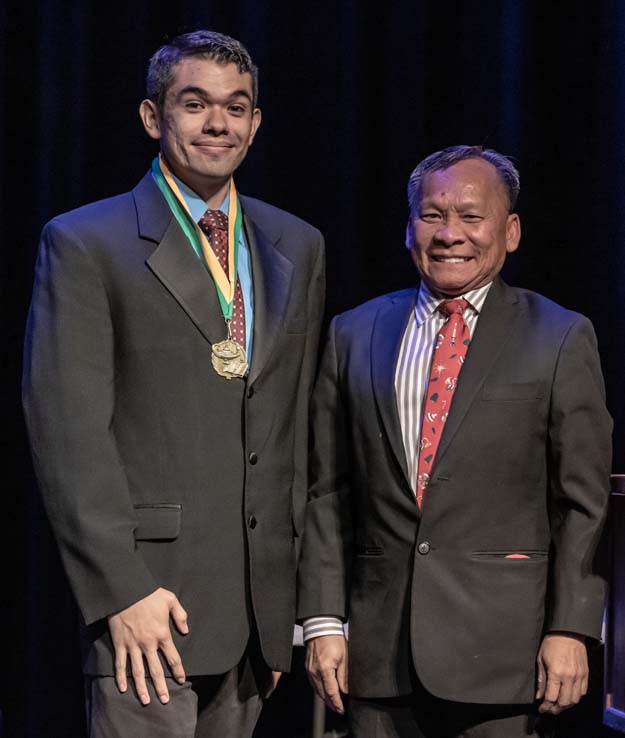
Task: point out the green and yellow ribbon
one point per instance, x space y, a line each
225 283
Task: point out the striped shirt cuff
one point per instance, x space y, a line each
323 625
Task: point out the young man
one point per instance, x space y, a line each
170 353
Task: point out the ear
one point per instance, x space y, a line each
409 234
513 233
149 114
256 118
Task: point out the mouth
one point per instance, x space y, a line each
210 146
451 259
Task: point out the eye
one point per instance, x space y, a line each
472 217
237 109
193 105
430 216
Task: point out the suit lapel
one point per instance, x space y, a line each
494 327
388 331
271 275
175 263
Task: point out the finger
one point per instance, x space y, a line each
552 691
121 658
540 680
332 694
179 616
341 675
158 676
272 683
138 674
316 683
315 678
584 685
565 697
576 691
170 652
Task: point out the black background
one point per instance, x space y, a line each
353 96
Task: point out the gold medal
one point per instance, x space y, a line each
229 359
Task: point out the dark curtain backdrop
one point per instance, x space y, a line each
353 96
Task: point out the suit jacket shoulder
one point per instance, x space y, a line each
363 316
540 306
94 216
274 221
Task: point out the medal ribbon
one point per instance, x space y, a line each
225 283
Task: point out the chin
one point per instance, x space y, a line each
448 288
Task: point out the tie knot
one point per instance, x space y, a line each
213 219
451 307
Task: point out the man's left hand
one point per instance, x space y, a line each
562 672
272 682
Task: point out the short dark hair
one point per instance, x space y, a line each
446 158
209 45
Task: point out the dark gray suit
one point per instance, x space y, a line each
155 471
522 467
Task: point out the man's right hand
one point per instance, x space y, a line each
140 631
326 664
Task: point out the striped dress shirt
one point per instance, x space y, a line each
411 380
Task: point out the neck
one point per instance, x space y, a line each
212 191
213 195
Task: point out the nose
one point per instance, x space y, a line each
216 121
450 233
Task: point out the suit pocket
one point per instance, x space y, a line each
158 521
513 392
369 551
512 554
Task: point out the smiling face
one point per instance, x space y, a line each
461 227
206 124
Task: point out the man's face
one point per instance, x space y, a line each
206 124
461 227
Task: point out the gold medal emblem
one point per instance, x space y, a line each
229 359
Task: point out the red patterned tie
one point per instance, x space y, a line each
214 223
451 347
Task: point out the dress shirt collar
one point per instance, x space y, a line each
427 301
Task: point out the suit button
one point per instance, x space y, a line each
253 458
423 548
252 522
250 392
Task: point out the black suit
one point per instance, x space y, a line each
155 471
522 467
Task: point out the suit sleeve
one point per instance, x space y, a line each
69 398
580 456
315 308
323 577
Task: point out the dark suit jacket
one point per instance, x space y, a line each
522 466
155 471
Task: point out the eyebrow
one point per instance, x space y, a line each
200 92
431 202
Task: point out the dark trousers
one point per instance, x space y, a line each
214 706
421 715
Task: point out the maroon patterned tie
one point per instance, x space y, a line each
214 223
451 347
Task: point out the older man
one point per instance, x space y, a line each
460 482
169 359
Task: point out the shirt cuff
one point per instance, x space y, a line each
323 625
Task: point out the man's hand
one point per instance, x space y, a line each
326 664
271 683
562 671
139 631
